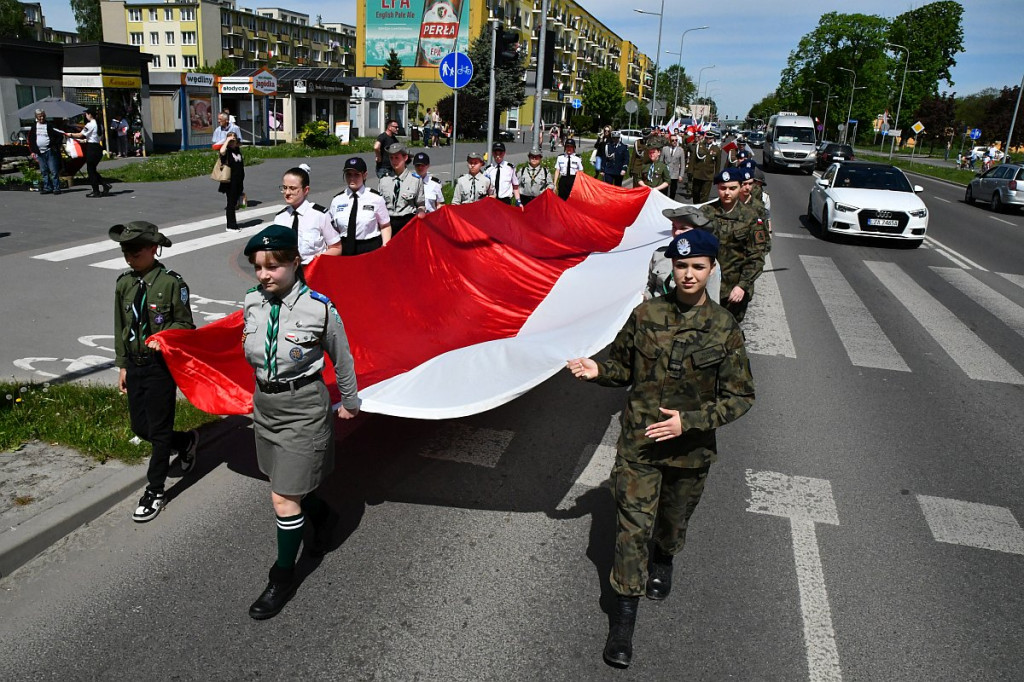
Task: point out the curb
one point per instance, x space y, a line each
23 543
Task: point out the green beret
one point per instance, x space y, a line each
273 238
138 233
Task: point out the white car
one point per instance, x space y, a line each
982 151
868 199
628 137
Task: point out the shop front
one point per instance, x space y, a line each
250 99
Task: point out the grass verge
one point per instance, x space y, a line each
961 177
91 419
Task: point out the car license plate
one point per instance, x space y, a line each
878 222
839 157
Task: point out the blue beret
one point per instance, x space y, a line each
745 173
743 154
749 164
273 238
728 175
693 243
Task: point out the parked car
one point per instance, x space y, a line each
1002 186
982 151
868 199
830 152
629 136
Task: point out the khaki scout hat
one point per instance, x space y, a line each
138 232
475 156
690 215
398 148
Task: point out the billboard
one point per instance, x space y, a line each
421 32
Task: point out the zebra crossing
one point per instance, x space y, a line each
850 316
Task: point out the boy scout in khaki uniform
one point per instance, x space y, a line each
474 185
655 173
684 357
148 299
403 191
534 178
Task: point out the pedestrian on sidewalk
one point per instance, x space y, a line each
287 329
148 299
45 143
93 154
231 156
684 357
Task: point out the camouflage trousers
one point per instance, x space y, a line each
651 501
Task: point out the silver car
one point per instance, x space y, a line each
1000 186
628 137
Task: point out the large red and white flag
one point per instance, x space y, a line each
467 308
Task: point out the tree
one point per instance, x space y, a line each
603 96
509 78
87 16
12 20
768 106
472 113
393 67
667 86
937 114
223 67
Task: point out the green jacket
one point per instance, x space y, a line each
655 173
703 161
690 359
166 305
742 247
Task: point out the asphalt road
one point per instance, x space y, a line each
862 523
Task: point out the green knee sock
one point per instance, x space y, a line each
313 507
289 537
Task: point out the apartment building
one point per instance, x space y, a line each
182 35
36 22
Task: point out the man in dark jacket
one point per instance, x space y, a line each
45 142
615 161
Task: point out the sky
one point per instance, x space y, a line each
749 43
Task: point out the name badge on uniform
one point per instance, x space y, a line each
367 207
708 356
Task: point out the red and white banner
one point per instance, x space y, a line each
467 308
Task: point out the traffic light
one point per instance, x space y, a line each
507 46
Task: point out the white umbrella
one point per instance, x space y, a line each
54 107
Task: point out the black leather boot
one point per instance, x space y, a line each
279 590
659 576
618 650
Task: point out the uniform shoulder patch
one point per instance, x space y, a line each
376 192
253 289
126 273
283 210
760 236
173 274
435 180
318 207
317 296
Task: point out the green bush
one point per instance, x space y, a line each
317 135
582 123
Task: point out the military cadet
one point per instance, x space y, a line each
655 173
638 156
148 299
402 190
502 174
311 222
748 180
684 359
742 242
433 197
673 155
616 160
534 178
360 214
659 272
474 185
704 158
567 166
287 328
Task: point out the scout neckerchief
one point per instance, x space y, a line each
273 327
140 317
532 172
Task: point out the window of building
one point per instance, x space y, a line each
191 61
225 42
168 15
156 61
316 55
172 61
153 15
188 14
169 37
135 15
188 37
225 19
27 94
285 50
250 45
154 37
136 38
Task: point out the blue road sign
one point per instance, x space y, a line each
975 133
577 103
455 70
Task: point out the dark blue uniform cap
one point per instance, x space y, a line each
421 159
693 243
728 175
355 163
273 238
743 154
745 174
749 164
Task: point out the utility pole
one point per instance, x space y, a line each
490 97
539 85
1009 135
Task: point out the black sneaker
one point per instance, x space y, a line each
187 457
149 506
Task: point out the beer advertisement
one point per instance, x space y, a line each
421 32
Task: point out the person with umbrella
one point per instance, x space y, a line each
45 142
93 153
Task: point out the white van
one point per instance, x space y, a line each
789 142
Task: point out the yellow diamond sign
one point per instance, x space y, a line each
917 127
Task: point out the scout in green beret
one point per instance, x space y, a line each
287 329
148 299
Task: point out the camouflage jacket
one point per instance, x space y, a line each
686 358
742 248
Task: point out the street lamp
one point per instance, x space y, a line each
896 120
679 63
657 58
713 80
700 74
824 120
849 112
810 107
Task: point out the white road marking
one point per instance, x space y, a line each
109 245
862 337
1016 279
985 296
766 327
941 199
469 445
77 365
180 248
91 339
968 351
595 464
972 524
1005 222
957 262
792 235
804 501
936 243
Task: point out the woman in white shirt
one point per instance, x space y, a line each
93 153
